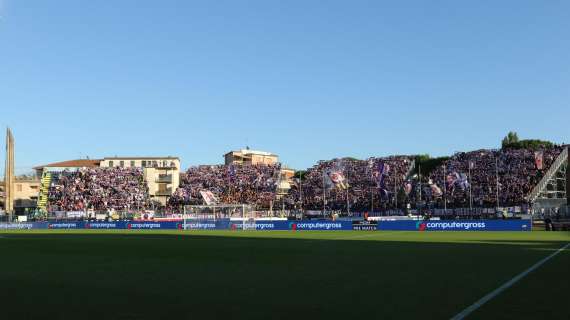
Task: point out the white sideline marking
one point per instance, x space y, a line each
505 286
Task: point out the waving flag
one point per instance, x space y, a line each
435 190
451 179
408 187
379 175
209 197
337 178
462 181
538 159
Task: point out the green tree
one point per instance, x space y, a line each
511 139
427 163
300 174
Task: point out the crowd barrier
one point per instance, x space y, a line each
226 224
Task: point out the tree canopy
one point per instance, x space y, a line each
511 141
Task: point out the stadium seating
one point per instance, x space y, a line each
98 189
516 170
232 184
375 184
364 184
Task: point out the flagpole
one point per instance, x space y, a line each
444 191
396 191
301 190
324 194
497 179
347 201
420 176
371 200
371 190
470 193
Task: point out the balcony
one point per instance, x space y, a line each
164 178
164 192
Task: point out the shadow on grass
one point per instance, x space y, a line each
152 276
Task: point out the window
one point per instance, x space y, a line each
111 163
143 163
122 163
132 163
19 187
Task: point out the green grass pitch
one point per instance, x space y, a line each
279 275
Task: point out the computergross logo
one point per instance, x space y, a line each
421 226
316 226
143 226
62 226
101 225
457 226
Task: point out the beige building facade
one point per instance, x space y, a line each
250 157
26 188
161 174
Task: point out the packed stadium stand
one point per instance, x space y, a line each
231 184
98 189
517 172
370 184
375 184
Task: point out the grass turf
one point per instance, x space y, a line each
279 275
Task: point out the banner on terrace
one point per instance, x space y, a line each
538 160
337 178
380 172
209 197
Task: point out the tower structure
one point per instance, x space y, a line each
9 174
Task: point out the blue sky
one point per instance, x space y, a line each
307 80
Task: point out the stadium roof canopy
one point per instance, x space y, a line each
141 158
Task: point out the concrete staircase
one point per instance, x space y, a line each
44 191
550 174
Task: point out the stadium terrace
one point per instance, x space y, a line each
506 183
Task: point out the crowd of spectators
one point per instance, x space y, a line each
516 169
231 184
371 184
374 184
98 189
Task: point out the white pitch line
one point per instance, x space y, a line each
505 286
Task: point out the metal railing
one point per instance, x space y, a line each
563 157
